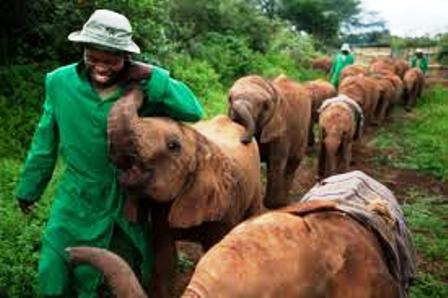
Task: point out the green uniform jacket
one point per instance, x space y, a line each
422 63
88 201
339 63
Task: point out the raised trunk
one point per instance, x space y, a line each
240 113
118 274
119 128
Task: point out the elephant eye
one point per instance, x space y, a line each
173 145
265 106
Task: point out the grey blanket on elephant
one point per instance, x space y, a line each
374 206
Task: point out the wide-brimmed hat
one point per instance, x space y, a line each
346 47
419 50
108 29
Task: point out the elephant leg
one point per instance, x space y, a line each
275 189
311 140
165 253
346 155
383 111
290 172
321 166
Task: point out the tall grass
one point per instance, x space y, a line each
421 140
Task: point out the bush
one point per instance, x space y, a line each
21 96
202 79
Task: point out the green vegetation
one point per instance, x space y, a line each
420 142
427 218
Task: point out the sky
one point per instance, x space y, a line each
411 17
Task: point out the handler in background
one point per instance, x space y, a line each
419 60
342 59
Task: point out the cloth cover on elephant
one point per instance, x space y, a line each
374 206
88 202
358 115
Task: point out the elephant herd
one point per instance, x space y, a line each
202 182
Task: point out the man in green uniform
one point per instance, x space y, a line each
420 61
342 59
88 205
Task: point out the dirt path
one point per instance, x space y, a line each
398 180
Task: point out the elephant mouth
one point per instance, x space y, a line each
134 178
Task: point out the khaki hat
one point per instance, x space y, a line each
419 50
108 29
346 47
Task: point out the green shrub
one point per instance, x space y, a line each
203 80
21 96
230 56
422 140
20 236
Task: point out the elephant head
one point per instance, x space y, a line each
254 103
336 129
168 162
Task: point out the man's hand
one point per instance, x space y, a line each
25 206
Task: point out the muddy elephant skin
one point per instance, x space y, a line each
363 90
323 63
337 127
413 81
353 70
279 254
199 180
278 114
391 92
401 67
318 91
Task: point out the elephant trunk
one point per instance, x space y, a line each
240 113
119 128
116 271
328 157
332 151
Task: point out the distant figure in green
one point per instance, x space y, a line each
342 59
420 61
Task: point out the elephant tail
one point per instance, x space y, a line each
118 274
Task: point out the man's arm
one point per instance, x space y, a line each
424 65
41 158
177 99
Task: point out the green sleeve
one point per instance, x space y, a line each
351 60
424 65
173 97
413 62
333 65
42 156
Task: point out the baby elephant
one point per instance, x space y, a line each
414 81
352 243
278 114
199 181
340 123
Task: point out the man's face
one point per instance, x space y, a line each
103 67
345 52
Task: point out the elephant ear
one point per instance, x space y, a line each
208 197
275 127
